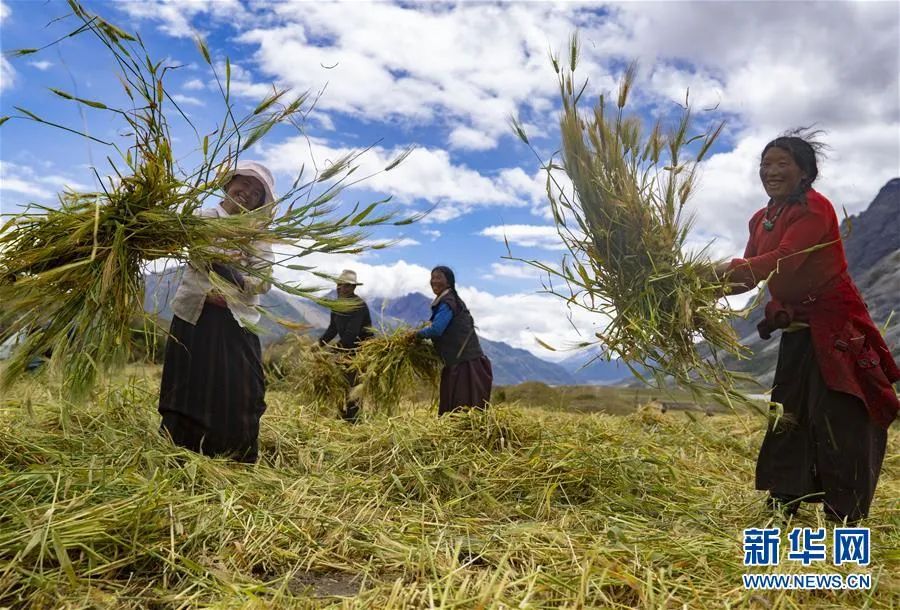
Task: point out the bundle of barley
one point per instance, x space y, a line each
72 275
393 365
625 229
315 375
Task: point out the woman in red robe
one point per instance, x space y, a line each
834 374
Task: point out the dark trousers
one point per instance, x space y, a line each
352 408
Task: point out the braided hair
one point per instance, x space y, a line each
804 147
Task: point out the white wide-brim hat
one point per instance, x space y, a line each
255 169
348 277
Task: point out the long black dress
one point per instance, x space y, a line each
825 448
213 388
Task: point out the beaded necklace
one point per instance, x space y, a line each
769 223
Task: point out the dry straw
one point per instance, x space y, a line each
71 276
392 366
507 508
625 228
388 368
313 374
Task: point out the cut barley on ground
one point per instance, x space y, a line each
512 507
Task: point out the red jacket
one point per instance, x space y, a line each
814 287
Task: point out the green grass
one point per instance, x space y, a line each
611 400
516 507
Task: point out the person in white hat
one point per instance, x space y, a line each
351 327
212 393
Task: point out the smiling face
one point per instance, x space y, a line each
439 282
780 174
243 193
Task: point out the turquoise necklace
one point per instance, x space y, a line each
769 223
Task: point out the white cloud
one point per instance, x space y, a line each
33 183
676 83
758 56
176 15
195 84
518 271
468 67
41 65
385 281
187 100
529 236
321 119
464 69
7 74
470 139
402 242
537 316
243 83
19 185
428 175
432 233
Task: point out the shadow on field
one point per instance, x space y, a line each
325 584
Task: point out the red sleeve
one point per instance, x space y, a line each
750 250
743 283
807 230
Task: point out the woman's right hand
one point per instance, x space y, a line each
717 273
722 270
214 298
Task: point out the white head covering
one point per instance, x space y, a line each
255 169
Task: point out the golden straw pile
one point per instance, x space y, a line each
388 368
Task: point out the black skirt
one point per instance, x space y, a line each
467 384
825 448
213 388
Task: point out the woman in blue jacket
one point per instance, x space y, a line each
466 378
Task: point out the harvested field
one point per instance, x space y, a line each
515 507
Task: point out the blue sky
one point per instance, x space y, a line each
445 78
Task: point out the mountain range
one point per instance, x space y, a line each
871 242
511 365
